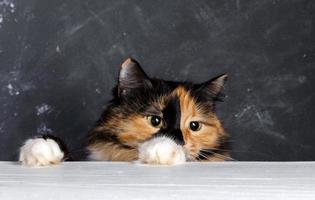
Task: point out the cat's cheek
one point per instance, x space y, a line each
162 151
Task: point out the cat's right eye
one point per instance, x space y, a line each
155 121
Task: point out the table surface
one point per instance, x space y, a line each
120 180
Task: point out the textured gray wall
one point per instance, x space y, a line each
59 59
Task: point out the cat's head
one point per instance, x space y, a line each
144 108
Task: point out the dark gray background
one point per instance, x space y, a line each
59 59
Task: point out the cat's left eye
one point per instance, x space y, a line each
155 121
194 126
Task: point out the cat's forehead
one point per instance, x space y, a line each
171 88
178 96
153 100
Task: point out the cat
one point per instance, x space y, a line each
150 121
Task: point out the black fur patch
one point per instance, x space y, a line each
171 116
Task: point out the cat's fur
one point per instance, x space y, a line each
128 130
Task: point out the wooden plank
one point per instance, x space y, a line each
118 180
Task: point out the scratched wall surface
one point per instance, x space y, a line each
59 60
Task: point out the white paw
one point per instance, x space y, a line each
161 150
40 152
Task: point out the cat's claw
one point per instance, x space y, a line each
161 150
40 152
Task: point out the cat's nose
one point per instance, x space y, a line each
175 134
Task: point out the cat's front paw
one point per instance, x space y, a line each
161 150
40 152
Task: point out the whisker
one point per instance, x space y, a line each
202 155
230 150
217 149
218 155
195 155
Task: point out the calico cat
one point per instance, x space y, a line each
148 120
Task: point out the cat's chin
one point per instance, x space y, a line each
161 151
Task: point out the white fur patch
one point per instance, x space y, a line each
40 152
95 155
161 150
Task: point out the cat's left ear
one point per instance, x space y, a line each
132 77
211 90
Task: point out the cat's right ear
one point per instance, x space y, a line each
210 91
132 77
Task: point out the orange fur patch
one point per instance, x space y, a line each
211 129
111 151
136 130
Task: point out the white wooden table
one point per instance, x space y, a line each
118 180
